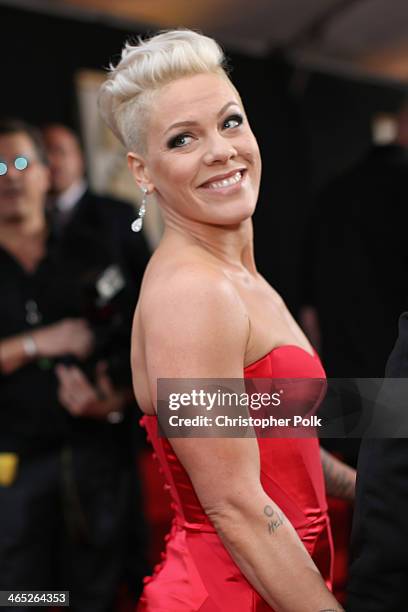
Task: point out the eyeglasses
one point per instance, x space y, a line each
20 163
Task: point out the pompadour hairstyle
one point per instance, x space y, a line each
145 67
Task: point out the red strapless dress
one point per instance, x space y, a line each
197 573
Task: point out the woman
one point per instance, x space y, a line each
205 312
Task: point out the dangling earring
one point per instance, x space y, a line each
138 223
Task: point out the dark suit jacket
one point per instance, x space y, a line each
378 579
96 237
355 262
109 220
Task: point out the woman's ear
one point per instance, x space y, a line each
138 168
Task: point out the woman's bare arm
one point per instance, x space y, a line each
196 327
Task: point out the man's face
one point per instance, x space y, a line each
22 192
65 158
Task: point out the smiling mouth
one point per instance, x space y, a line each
229 181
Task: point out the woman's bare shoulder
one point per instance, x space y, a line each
187 280
193 321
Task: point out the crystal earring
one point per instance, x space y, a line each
138 223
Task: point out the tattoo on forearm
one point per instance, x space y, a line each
276 519
339 478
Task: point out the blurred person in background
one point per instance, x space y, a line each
39 324
97 228
72 204
354 265
355 258
379 567
69 506
82 220
354 262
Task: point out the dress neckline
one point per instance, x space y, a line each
280 347
273 350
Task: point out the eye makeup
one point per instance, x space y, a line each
179 141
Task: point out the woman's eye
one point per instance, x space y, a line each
233 121
180 141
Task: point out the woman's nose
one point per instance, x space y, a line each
219 150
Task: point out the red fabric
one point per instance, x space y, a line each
341 518
197 573
156 504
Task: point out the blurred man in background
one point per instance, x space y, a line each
355 284
69 500
40 323
72 203
379 568
355 260
94 231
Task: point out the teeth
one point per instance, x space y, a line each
232 180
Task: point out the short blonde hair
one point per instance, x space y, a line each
126 95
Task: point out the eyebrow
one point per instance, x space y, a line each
188 123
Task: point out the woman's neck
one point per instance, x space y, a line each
232 245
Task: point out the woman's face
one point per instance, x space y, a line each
202 159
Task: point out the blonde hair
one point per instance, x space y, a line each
125 97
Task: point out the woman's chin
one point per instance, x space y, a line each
234 218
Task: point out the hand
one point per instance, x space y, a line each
82 399
67 337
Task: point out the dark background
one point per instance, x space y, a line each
309 125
